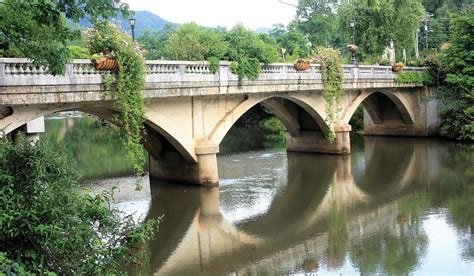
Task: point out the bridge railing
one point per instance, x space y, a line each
20 71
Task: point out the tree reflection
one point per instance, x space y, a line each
456 193
399 248
94 143
338 237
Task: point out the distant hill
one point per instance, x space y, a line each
263 30
145 21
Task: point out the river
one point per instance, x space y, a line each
395 205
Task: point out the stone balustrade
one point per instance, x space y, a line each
20 72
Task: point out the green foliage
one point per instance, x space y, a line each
155 42
49 224
246 51
130 81
275 132
357 120
192 42
294 42
78 52
412 78
38 29
457 90
434 73
317 19
332 77
94 143
393 20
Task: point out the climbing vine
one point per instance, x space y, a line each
332 77
105 39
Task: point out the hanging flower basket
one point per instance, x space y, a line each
397 67
104 63
352 48
302 65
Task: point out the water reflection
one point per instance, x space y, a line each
95 144
366 213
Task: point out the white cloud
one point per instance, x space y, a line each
253 14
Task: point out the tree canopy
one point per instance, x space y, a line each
38 29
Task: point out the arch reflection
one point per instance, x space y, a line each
324 212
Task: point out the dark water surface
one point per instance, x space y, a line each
395 205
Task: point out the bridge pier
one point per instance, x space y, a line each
316 141
172 166
31 130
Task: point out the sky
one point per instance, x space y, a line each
212 13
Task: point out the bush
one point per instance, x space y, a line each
78 52
412 78
49 224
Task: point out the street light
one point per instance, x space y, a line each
353 49
133 21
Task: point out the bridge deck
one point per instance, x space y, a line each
22 82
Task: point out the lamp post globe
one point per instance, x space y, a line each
132 22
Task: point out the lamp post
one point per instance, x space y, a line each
132 22
352 26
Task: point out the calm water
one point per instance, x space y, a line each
395 205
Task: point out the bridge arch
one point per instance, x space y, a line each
290 110
375 111
153 141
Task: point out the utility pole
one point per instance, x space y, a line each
417 49
425 20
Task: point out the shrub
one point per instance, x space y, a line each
49 224
412 78
78 52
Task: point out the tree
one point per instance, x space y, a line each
457 91
38 29
295 43
247 51
154 43
192 42
317 19
375 28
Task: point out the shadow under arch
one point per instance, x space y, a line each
296 114
382 107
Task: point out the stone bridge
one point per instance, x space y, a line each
190 109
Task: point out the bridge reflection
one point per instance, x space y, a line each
329 204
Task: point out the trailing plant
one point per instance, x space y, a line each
108 39
332 77
48 224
